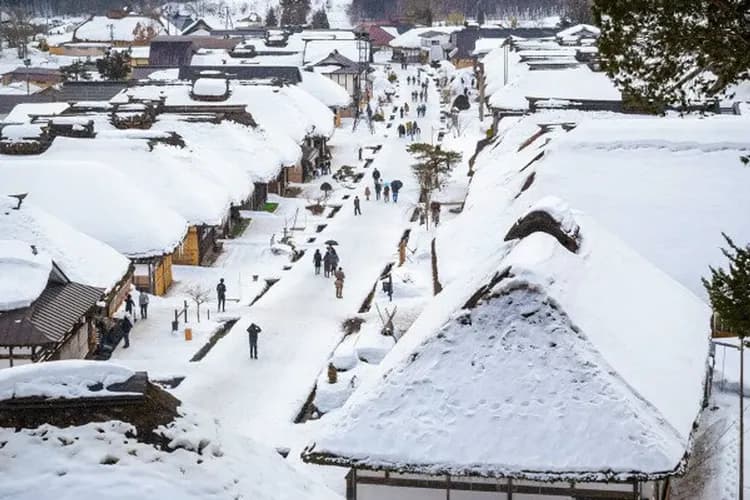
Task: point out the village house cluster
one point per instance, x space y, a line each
554 334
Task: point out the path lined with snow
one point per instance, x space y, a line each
300 316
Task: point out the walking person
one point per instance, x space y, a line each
376 175
386 192
367 193
317 261
143 303
130 306
339 283
357 209
395 187
125 327
378 188
327 263
221 295
401 112
334 260
252 335
360 153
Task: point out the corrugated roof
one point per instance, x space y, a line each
51 317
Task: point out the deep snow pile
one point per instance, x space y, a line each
24 274
82 258
61 379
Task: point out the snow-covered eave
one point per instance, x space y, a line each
156 252
491 471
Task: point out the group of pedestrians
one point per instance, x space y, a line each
403 110
387 189
130 317
330 264
420 96
421 110
410 129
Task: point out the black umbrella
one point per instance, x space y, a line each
332 242
396 185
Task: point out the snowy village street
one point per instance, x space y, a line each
300 317
539 239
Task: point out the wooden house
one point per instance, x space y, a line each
153 274
40 77
516 388
58 324
341 70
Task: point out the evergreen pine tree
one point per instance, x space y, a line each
674 51
271 20
320 20
115 65
729 290
431 170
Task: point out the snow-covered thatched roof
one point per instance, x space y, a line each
25 273
114 210
82 258
547 364
324 89
125 29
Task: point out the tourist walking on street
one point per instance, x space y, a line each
376 175
327 260
395 186
334 260
357 209
378 188
143 303
367 193
339 283
386 192
360 153
317 261
252 335
130 306
125 327
221 294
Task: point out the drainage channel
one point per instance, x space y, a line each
365 307
269 283
217 335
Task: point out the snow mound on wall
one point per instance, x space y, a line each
106 458
210 87
324 89
60 379
24 274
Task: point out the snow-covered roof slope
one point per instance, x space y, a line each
485 45
324 89
316 50
667 186
165 177
319 115
578 29
24 274
564 365
412 39
105 29
67 379
82 258
566 84
116 210
22 113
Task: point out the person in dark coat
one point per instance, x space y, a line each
252 334
360 153
357 209
317 261
401 112
376 175
327 262
378 189
394 190
386 193
125 327
143 303
221 295
130 306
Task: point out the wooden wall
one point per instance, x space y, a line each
188 254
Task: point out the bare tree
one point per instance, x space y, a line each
200 295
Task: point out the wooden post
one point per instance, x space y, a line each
448 487
184 309
480 82
510 489
401 252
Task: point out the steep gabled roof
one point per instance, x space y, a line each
561 366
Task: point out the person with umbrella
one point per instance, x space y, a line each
395 188
327 262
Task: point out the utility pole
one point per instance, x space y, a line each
742 419
506 50
111 32
480 84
